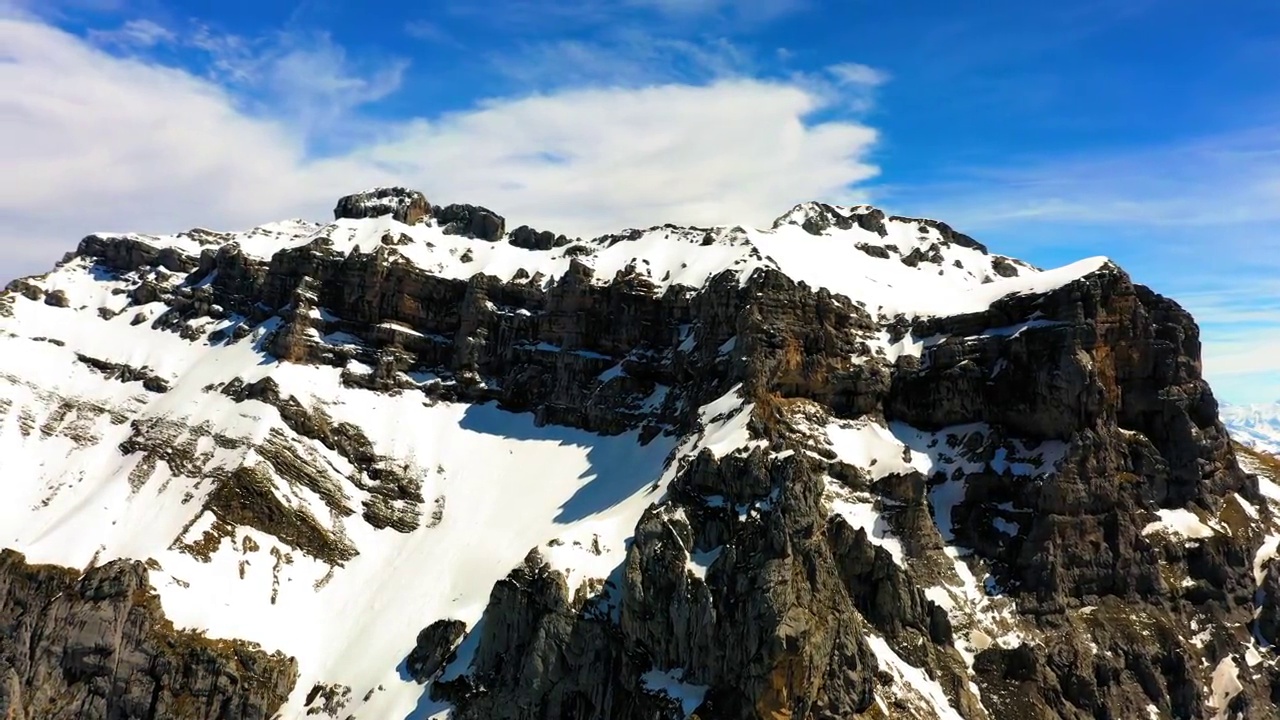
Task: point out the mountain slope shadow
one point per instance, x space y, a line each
618 465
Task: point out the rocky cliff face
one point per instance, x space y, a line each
98 645
851 466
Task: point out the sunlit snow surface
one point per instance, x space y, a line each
507 485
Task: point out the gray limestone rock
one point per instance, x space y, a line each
435 648
98 647
530 239
472 221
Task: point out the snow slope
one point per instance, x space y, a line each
354 625
74 494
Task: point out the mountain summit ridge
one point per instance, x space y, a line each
441 240
852 465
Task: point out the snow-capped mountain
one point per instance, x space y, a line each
408 464
1257 426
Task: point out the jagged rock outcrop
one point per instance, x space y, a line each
407 206
132 254
472 221
530 239
949 234
97 646
817 218
436 647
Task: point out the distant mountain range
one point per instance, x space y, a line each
1257 426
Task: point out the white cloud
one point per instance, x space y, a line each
1240 325
1233 299
1242 356
93 141
858 74
598 160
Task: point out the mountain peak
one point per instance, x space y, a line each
816 217
405 205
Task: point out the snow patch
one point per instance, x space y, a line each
1266 552
725 423
671 683
1180 522
700 562
924 688
864 515
874 448
1226 685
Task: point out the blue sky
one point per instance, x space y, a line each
1148 131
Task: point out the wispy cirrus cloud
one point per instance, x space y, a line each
1241 367
1226 179
55 8
850 86
857 74
137 33
629 57
1239 318
431 32
747 10
305 75
674 17
632 57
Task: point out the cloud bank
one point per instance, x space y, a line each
99 135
